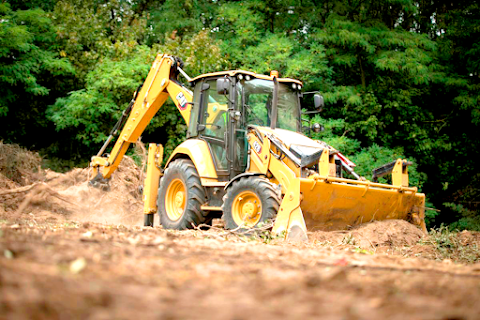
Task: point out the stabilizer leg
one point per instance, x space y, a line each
148 220
150 189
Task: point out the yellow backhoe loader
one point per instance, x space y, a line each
246 160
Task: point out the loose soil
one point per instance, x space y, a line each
68 251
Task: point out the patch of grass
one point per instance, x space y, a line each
448 245
71 224
348 239
362 251
266 236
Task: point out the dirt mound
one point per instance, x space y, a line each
72 197
27 190
469 238
394 233
18 165
6 183
391 233
8 202
122 204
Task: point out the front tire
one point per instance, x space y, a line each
180 197
250 202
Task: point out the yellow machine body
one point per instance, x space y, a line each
323 201
312 195
333 204
197 151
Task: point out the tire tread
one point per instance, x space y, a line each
196 196
264 189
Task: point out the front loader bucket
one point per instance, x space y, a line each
334 203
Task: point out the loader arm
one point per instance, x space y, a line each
315 198
160 83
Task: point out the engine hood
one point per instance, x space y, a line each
290 138
304 150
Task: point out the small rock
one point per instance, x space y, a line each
78 265
87 234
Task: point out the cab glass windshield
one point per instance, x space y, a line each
256 98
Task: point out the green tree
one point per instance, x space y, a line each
108 90
92 111
32 73
456 31
94 30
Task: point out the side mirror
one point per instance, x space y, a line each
205 87
318 102
223 86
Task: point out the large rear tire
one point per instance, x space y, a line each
250 202
180 197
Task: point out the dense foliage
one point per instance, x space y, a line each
400 77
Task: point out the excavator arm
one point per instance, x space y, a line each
160 83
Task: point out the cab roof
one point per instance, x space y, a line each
243 72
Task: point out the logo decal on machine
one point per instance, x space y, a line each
182 101
257 147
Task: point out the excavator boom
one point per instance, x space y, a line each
160 84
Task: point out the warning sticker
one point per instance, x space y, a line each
257 147
182 101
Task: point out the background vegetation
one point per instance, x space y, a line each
400 77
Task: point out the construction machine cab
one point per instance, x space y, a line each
226 103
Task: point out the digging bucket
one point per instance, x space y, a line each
330 203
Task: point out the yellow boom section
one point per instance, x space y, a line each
159 85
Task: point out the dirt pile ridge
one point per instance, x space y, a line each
394 233
390 233
122 204
18 167
27 191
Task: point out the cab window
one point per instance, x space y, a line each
215 112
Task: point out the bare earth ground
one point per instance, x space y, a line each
70 252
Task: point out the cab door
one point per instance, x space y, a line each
212 125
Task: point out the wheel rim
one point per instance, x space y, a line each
175 199
246 209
